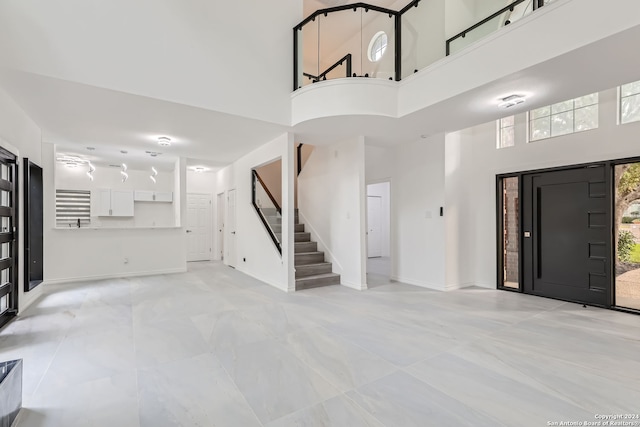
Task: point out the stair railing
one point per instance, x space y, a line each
267 208
509 8
310 28
323 75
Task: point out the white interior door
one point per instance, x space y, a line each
220 225
199 227
374 234
231 226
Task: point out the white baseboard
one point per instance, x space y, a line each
356 286
456 286
113 276
418 283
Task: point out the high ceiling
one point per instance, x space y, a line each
216 77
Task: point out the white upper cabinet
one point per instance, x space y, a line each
153 196
115 202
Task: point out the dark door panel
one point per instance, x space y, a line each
565 253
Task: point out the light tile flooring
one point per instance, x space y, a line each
213 347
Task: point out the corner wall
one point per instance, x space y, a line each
255 253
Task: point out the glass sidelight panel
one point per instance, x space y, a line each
510 232
627 235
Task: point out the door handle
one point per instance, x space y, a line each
233 232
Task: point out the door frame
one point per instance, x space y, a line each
14 294
379 221
221 207
610 170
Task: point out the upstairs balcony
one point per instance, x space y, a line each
363 40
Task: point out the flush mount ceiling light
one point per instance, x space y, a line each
511 101
153 153
164 141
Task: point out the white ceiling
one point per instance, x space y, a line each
75 116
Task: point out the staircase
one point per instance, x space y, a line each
311 269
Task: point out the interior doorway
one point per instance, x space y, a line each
220 209
199 222
378 233
231 225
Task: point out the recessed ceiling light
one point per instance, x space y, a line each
153 153
199 169
91 148
164 141
124 151
511 101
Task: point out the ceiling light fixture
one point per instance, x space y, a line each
91 170
124 173
199 169
164 141
511 101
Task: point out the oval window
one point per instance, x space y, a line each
377 46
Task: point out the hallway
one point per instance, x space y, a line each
216 347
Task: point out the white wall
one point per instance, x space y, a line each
383 190
256 254
417 230
331 202
20 135
146 214
184 45
458 213
84 254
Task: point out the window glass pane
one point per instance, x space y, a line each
4 198
4 172
4 250
630 109
540 128
540 112
586 100
562 124
507 121
562 106
507 137
510 232
630 89
586 118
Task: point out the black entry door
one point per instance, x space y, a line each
566 236
8 249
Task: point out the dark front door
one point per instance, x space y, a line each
8 249
566 235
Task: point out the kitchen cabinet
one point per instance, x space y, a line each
115 203
153 196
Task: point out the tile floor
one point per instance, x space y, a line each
213 347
